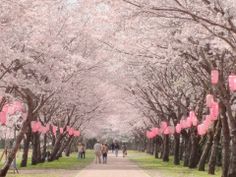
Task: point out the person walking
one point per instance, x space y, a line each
83 151
104 153
98 150
116 147
79 150
124 150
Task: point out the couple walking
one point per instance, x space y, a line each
101 150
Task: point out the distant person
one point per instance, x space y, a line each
116 147
82 151
98 151
104 153
124 150
112 147
79 150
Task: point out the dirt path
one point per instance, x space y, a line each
116 167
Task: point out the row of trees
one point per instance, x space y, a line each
176 45
46 59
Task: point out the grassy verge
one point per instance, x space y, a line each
156 167
69 165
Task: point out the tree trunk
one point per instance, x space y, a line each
214 149
176 149
35 150
44 151
225 142
166 148
187 146
206 151
181 149
68 149
26 149
16 145
63 146
194 153
56 148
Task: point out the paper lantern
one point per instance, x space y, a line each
209 100
54 130
34 126
214 110
214 76
155 131
195 121
178 128
3 118
189 122
166 131
71 131
201 129
232 82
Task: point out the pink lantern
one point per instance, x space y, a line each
214 110
3 118
155 131
209 100
61 130
54 130
71 131
189 122
214 76
178 128
182 124
167 131
201 129
195 121
232 82
34 126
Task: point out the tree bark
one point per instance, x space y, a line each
166 149
176 149
44 151
56 148
194 153
187 146
225 142
214 149
26 148
35 149
16 145
206 151
63 146
68 149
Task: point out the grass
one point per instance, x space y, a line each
53 169
168 169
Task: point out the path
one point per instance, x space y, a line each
116 167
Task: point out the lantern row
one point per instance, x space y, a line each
192 120
36 126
